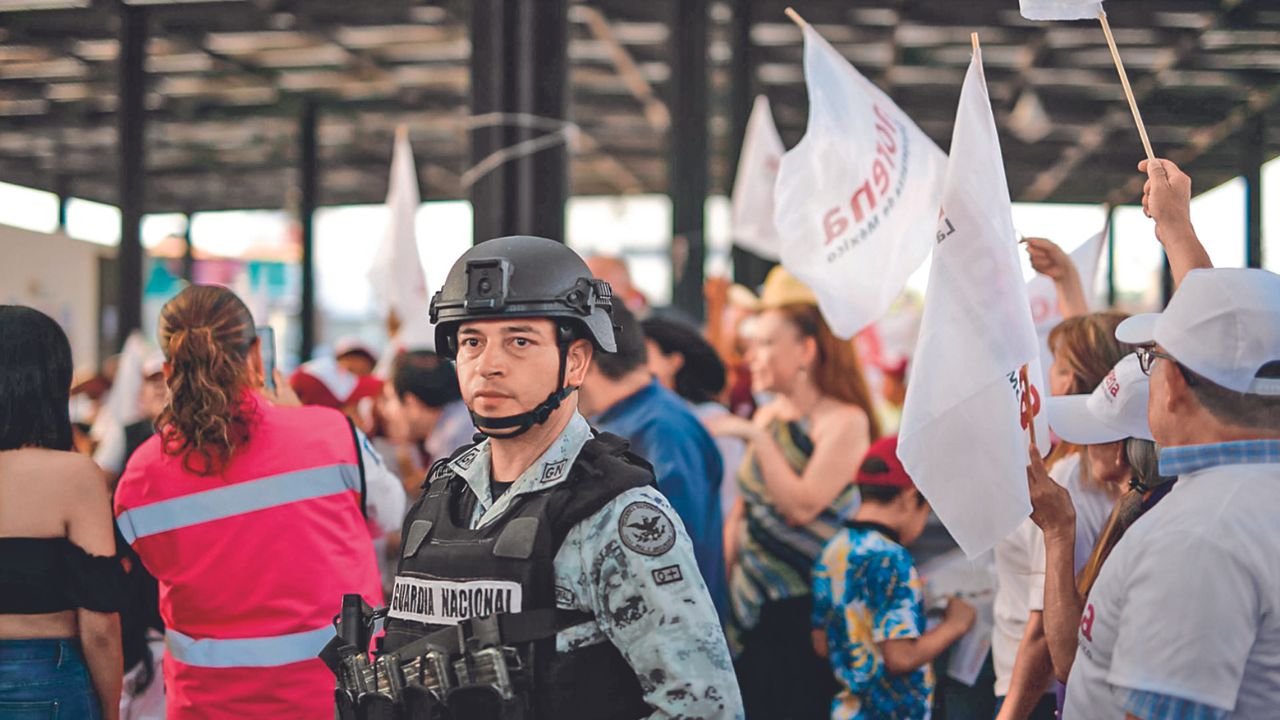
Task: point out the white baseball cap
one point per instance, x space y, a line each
1222 324
1115 410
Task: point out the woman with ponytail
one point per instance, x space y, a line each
255 517
1084 349
1111 425
804 448
61 587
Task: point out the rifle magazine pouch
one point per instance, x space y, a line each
345 704
374 706
423 704
483 702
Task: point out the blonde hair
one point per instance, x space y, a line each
1087 345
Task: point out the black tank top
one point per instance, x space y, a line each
48 575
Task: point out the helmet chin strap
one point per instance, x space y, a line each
519 424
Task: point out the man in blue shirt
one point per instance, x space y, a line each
621 396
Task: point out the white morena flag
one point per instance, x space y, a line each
1060 9
857 198
398 281
1043 295
974 389
752 214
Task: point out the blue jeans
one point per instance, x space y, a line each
45 680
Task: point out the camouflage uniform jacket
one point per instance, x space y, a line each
631 565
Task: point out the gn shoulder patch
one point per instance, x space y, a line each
644 528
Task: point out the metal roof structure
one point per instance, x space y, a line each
226 79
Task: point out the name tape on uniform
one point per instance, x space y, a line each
448 602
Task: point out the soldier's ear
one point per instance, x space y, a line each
577 360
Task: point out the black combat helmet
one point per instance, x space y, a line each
524 276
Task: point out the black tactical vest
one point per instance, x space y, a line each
449 573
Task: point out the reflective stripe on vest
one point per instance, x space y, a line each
247 652
238 499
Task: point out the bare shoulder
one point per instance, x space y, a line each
68 473
839 420
42 460
50 486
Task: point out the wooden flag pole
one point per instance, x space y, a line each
795 18
1124 81
973 37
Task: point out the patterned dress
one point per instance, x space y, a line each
776 558
866 591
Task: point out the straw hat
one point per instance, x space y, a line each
782 288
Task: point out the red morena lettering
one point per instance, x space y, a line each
868 193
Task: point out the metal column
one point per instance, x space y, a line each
489 202
62 188
307 169
519 64
688 180
1254 153
131 129
188 252
1111 256
543 65
748 268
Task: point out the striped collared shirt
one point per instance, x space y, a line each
1176 461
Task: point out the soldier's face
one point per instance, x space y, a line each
507 367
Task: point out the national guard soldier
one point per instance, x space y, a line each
542 575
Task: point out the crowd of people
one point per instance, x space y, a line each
634 515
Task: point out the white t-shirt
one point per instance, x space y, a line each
1019 590
1093 507
384 496
1020 579
1188 603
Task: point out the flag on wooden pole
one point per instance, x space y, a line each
974 393
857 198
1089 10
752 215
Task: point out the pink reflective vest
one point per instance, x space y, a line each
253 563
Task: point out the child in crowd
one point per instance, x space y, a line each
868 601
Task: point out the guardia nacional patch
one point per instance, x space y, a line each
646 529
